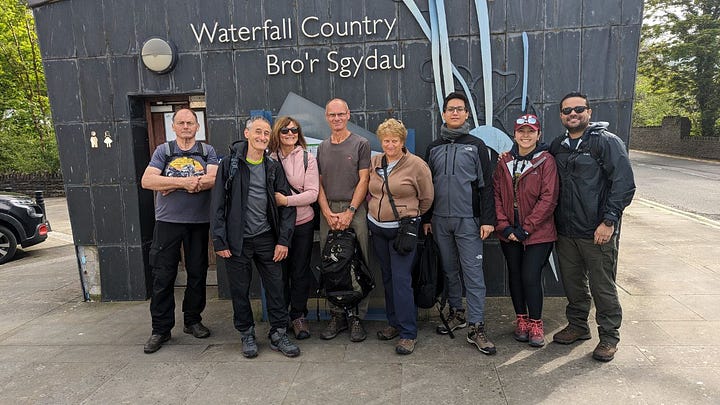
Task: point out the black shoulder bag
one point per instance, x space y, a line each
406 239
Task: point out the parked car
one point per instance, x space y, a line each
22 222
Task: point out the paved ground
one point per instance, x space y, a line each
54 348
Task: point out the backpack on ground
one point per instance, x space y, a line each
344 277
428 278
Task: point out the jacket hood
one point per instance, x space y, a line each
239 147
595 127
539 148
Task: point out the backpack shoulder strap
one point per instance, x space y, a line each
170 148
305 159
234 165
596 150
203 151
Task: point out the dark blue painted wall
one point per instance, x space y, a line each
91 49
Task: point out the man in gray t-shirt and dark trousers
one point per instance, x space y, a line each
344 163
247 227
182 173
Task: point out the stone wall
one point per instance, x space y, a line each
673 137
50 183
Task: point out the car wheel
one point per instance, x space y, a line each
8 245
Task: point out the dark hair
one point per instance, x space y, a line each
188 109
280 123
575 94
453 95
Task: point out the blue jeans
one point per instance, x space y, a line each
459 239
397 281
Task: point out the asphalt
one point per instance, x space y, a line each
55 348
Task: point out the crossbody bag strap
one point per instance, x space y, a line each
387 187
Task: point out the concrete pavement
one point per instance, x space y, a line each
54 348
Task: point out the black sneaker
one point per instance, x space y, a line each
477 337
456 320
279 341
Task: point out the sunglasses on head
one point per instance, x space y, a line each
526 120
285 131
578 110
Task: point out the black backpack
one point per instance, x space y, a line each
428 277
344 277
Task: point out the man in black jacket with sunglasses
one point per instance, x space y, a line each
596 184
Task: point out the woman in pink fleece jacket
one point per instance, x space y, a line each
288 146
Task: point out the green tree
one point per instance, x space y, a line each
653 103
27 139
680 55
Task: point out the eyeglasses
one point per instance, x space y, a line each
526 120
336 115
455 109
285 131
578 110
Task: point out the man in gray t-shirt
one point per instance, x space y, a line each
182 172
344 164
248 227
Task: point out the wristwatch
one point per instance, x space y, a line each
609 222
352 209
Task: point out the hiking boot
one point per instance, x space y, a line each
570 334
249 345
357 331
155 342
279 341
300 328
337 324
536 334
522 327
405 346
198 330
477 337
604 351
388 333
455 320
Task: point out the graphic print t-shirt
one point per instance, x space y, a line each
181 206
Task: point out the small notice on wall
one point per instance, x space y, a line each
170 134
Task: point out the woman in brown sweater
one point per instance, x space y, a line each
410 182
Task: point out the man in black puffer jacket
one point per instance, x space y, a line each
596 184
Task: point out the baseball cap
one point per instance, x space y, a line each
530 120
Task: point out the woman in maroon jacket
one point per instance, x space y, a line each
526 193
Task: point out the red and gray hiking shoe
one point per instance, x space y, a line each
521 328
536 333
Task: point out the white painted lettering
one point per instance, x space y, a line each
204 32
302 26
244 33
223 37
390 27
272 65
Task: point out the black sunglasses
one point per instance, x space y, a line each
294 130
578 110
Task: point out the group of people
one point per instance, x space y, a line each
569 195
